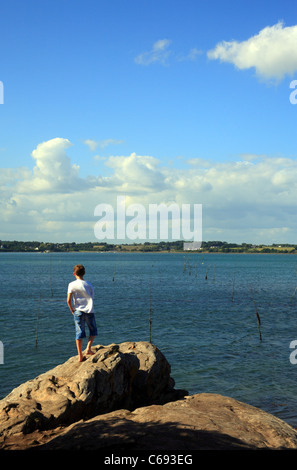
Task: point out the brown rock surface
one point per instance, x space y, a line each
199 422
37 415
127 376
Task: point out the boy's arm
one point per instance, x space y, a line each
69 302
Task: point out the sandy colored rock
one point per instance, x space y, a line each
202 421
123 399
127 376
199 422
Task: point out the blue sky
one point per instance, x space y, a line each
162 101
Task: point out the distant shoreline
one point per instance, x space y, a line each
210 247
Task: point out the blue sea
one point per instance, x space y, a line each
202 309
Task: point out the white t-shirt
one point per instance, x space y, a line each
82 295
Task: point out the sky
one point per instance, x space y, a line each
161 101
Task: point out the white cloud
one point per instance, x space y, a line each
159 53
92 144
272 52
252 199
136 173
106 142
53 171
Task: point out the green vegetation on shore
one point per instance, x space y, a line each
163 246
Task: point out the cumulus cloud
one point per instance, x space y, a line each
53 171
136 173
252 199
159 53
272 52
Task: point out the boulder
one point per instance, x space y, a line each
198 422
123 399
126 375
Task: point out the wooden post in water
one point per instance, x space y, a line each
258 317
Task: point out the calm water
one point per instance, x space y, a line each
207 328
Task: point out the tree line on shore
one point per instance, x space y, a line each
174 246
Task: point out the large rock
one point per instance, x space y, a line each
198 422
122 399
127 376
203 421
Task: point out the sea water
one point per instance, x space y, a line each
199 309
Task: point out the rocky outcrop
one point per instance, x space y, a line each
198 422
128 375
203 421
123 399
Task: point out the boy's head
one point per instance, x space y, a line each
79 270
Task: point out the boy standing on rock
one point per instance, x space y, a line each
80 300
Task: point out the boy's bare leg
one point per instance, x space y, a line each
79 343
89 345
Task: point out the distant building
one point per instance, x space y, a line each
190 246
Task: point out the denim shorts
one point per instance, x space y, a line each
80 320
